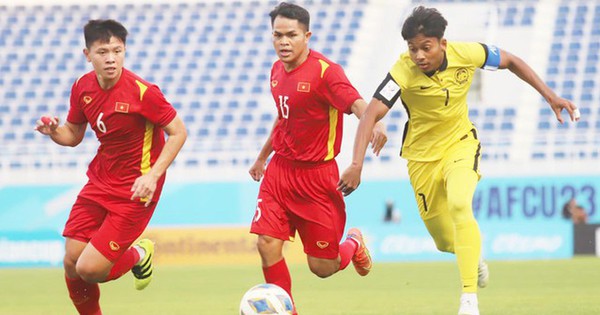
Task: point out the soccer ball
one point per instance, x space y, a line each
266 299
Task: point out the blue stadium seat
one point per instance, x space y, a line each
251 104
203 132
227 118
222 132
491 112
506 126
208 118
241 131
261 132
247 118
582 124
543 125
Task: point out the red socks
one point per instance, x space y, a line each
280 275
85 296
347 250
124 264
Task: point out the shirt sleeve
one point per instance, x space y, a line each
156 108
341 94
76 115
388 91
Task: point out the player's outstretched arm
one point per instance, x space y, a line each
350 179
378 135
145 185
519 67
68 134
257 170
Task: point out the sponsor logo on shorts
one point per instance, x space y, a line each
322 244
114 246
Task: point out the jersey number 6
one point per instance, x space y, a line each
100 124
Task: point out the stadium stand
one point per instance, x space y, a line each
572 72
212 61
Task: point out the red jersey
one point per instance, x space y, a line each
128 120
310 100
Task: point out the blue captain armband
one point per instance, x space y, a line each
492 57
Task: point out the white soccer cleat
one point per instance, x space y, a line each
468 304
483 274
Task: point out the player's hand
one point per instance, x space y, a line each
144 188
378 138
46 125
257 170
559 104
349 180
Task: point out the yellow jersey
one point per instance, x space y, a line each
436 104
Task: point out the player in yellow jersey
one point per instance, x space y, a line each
440 143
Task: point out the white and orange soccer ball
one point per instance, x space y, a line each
266 299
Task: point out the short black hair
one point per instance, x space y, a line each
103 30
426 21
291 11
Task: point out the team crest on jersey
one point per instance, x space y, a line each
122 107
322 244
114 246
87 99
274 83
303 87
461 75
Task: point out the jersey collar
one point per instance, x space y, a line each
442 67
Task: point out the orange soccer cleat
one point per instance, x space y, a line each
361 259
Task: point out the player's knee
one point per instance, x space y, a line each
270 249
265 244
69 265
323 268
89 274
321 271
445 245
460 210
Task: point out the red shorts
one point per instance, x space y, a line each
110 223
303 197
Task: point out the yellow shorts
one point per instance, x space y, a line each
428 179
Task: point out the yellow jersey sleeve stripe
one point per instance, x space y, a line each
145 165
324 66
333 120
142 87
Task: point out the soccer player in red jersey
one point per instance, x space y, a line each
299 190
129 116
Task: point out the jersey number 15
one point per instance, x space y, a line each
283 106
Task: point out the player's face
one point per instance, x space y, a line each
290 40
107 59
427 52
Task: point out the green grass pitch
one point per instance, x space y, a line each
516 287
